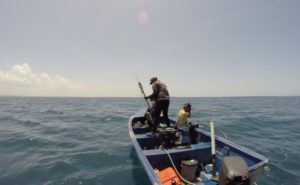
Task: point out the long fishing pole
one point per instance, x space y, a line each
142 91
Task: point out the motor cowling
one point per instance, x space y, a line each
167 137
234 171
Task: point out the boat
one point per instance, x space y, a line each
205 160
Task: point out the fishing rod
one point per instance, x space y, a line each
142 91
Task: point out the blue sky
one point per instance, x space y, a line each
197 47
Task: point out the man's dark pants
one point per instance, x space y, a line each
161 106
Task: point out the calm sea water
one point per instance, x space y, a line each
84 141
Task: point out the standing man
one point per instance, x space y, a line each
161 98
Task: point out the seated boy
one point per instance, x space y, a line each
182 123
183 115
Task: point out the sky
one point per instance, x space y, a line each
101 48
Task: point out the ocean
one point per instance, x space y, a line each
84 141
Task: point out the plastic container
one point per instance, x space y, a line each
189 168
208 168
168 176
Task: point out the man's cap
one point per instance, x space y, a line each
187 105
152 80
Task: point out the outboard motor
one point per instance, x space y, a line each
167 136
234 171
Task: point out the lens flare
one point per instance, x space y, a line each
143 17
142 2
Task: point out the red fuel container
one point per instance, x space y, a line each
168 176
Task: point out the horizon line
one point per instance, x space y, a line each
240 96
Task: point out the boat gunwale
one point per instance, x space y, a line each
264 160
145 162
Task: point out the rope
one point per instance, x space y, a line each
183 179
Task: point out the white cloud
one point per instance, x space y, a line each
21 80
